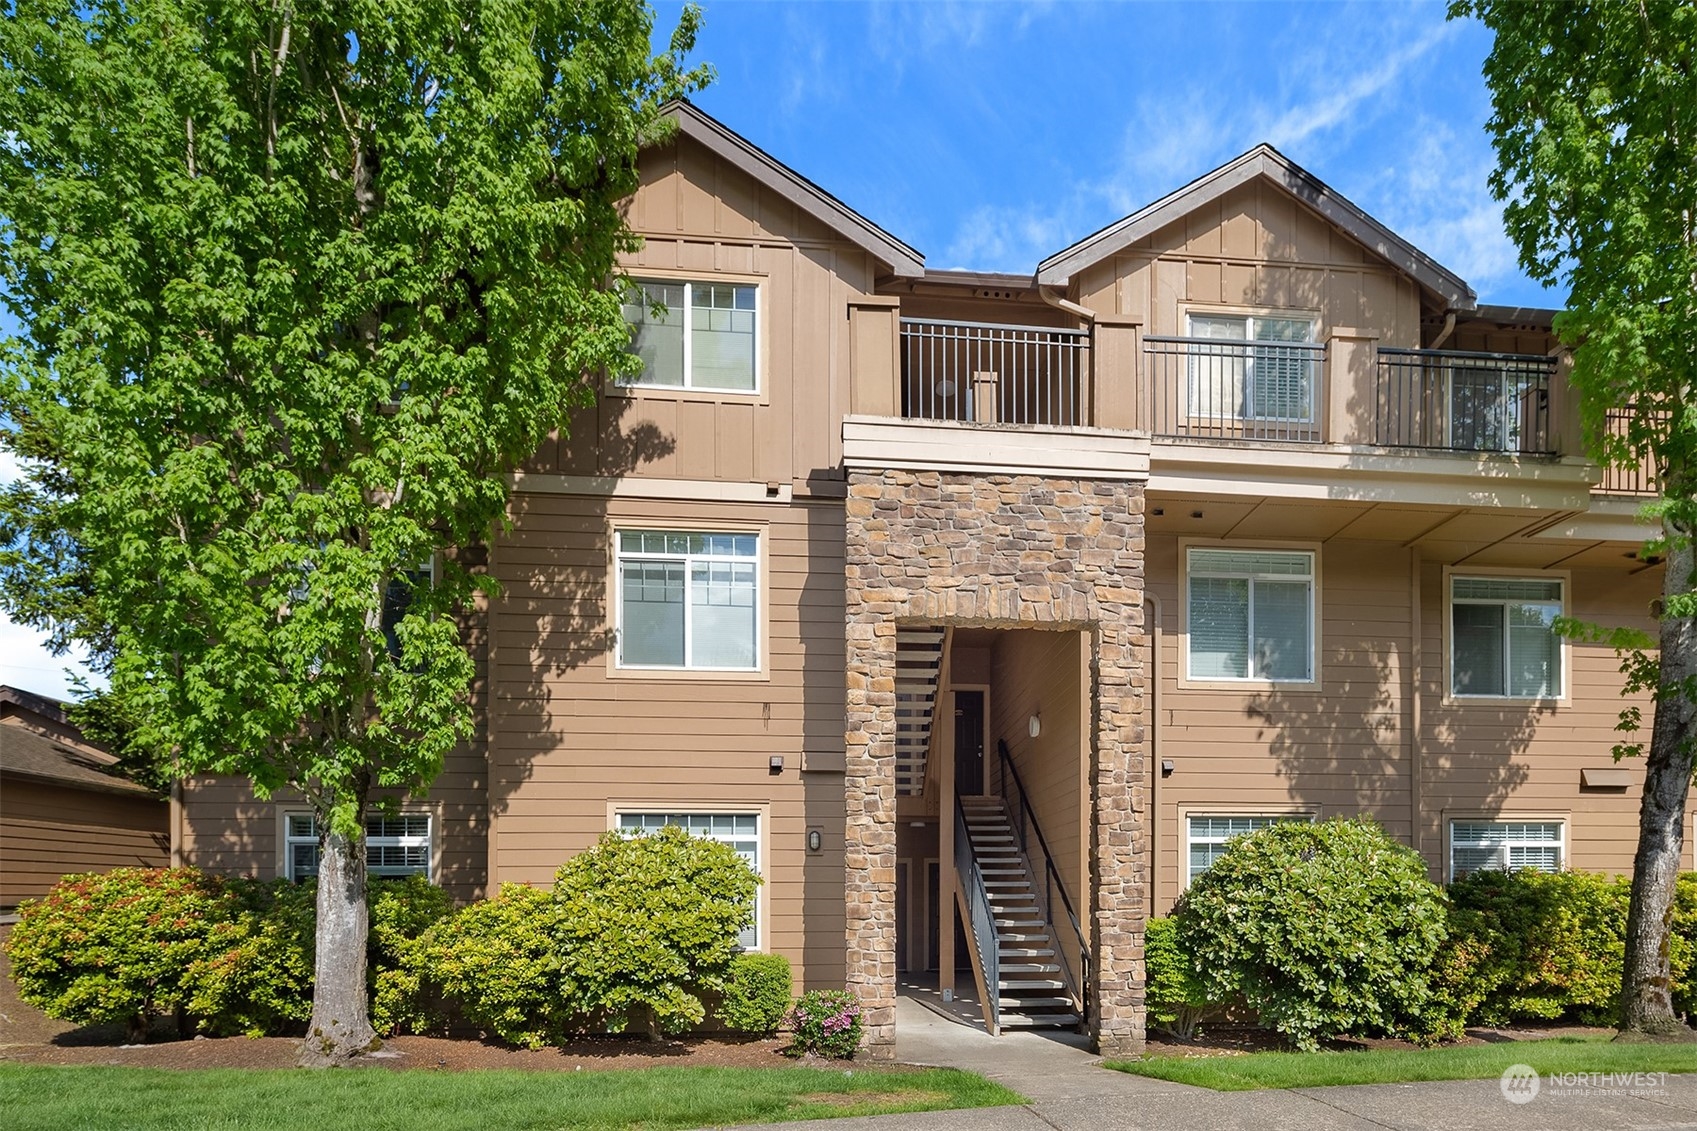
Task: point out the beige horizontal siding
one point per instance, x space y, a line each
48 831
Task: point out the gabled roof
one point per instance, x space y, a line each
27 752
732 147
1262 161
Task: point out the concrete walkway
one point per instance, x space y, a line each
1070 1092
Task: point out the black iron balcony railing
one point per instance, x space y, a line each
994 373
1636 479
1471 402
1234 390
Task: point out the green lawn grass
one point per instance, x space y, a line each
1461 1062
36 1097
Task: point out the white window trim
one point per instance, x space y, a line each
1316 376
762 856
1563 821
688 282
688 670
1251 680
1564 650
1188 814
430 839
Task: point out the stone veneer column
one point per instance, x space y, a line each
999 551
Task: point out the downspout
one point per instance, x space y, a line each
1153 603
1055 299
1444 335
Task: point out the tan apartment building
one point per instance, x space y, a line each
979 611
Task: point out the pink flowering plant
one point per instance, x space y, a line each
826 1023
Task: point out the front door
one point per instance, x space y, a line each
969 743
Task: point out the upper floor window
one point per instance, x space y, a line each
695 335
1262 368
688 599
1502 637
397 845
1251 614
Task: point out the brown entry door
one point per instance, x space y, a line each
969 743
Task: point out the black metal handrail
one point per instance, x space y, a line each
1462 401
983 916
1051 876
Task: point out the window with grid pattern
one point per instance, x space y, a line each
1206 837
1477 846
739 830
695 335
688 599
395 845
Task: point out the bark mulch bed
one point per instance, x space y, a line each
1233 1040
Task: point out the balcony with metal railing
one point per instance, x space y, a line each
1222 389
1632 480
993 373
1470 402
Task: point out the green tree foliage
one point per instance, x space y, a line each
299 283
1322 928
1595 126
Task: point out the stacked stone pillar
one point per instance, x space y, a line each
999 551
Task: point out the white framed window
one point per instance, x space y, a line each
1478 846
693 334
1253 367
1502 637
688 599
1250 614
739 830
1206 836
397 599
395 845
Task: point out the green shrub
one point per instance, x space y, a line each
1324 929
1682 945
255 975
1538 946
826 1023
1173 991
648 924
402 913
757 993
495 964
115 947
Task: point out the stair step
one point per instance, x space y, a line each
1030 968
1010 1020
1025 1004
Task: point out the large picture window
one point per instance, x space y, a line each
397 845
1253 368
1251 614
695 335
1502 637
739 830
688 599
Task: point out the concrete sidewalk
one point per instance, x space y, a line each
1069 1091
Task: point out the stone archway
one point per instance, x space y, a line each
998 551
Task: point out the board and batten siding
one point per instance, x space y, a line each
575 739
1255 248
1341 747
701 218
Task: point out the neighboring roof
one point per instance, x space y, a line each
29 753
996 280
730 146
1262 161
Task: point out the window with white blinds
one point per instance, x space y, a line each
695 335
1251 614
1258 378
1478 846
1206 837
395 845
739 830
1502 637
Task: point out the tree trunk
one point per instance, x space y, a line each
1647 978
341 1017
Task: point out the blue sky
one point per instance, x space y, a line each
989 135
